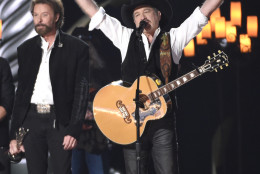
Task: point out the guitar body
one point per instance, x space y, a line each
114 110
114 105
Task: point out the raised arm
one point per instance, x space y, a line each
209 6
89 7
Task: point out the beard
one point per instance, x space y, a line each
45 29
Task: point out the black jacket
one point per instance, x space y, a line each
69 79
6 99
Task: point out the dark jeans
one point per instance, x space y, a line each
82 158
4 161
159 144
42 139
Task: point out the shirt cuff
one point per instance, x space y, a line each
203 20
97 19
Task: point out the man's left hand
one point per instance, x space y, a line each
2 113
69 142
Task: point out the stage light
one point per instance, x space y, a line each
235 13
220 27
245 43
200 40
206 31
252 26
231 32
213 16
226 31
189 50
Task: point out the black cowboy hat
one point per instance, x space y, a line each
162 5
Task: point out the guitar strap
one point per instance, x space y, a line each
165 61
165 56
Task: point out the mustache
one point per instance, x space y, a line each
38 25
147 21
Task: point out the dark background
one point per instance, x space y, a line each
218 120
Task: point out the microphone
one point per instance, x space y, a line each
141 27
60 44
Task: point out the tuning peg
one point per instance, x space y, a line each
216 70
214 54
226 64
219 51
221 67
208 57
158 82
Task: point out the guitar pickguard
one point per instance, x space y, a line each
149 109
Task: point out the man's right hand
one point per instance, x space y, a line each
13 148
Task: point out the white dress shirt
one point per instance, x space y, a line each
120 35
42 93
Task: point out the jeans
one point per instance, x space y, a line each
82 158
159 144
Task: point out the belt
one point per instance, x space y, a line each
42 108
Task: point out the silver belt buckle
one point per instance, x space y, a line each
43 108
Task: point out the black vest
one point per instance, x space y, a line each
135 61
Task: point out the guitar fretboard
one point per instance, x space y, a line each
175 84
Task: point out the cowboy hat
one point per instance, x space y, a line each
162 5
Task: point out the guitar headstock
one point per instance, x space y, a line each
216 62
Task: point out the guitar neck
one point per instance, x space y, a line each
176 83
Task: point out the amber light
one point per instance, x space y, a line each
213 16
231 32
206 31
200 40
252 26
189 50
227 30
245 43
220 27
235 13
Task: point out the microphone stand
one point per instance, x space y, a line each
137 117
137 102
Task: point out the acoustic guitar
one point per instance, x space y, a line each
114 105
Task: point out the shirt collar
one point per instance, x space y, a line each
156 33
46 44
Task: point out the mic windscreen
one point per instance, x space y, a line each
141 27
142 24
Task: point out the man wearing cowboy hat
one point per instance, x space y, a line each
147 19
